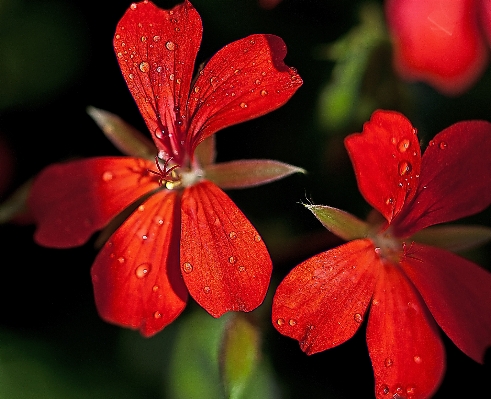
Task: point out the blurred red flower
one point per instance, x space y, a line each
407 288
182 233
441 42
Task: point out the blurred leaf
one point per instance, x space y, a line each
42 49
206 347
340 98
31 368
240 352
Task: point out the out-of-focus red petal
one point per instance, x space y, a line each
70 201
224 261
156 50
322 301
437 41
386 157
136 276
485 17
245 79
408 356
455 178
458 294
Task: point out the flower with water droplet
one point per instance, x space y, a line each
168 186
412 287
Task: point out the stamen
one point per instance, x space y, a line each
164 174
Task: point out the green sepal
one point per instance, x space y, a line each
125 137
453 238
340 223
248 172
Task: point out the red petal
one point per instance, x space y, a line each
386 158
458 294
136 277
156 50
244 80
321 302
70 201
437 41
455 178
224 262
404 342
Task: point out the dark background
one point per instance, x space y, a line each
56 58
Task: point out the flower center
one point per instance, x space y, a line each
173 176
387 246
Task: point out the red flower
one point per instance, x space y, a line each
440 42
405 287
182 233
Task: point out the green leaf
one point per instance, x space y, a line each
125 137
340 223
454 238
248 172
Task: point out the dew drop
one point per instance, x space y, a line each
264 93
241 268
292 322
142 270
133 6
207 289
388 362
237 71
156 38
187 267
196 89
384 389
443 145
417 359
144 67
243 105
232 259
141 208
171 76
157 315
403 145
358 317
404 168
121 259
159 133
107 176
257 238
410 390
232 235
415 131
143 39
280 322
155 288
389 201
171 46
375 302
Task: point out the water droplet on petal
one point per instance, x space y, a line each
171 76
384 389
443 145
292 322
280 322
404 168
141 208
157 315
133 6
388 362
156 38
142 270
403 145
417 359
410 390
232 235
257 238
143 39
358 317
243 105
232 259
144 67
264 93
171 46
121 259
207 289
187 267
107 176
389 201
155 288
241 268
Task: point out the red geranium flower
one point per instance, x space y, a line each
440 42
388 271
182 232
